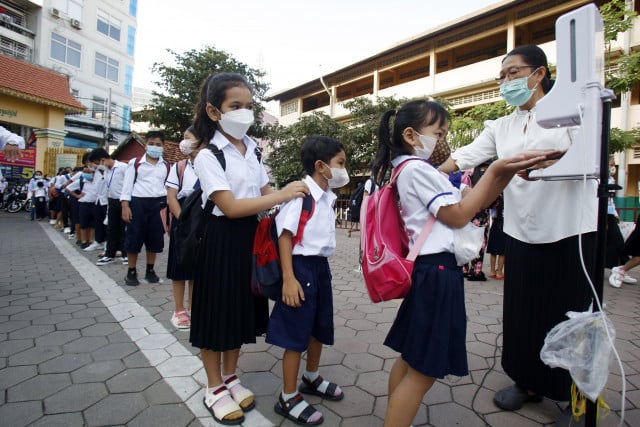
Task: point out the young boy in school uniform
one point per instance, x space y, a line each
114 178
143 196
303 319
85 192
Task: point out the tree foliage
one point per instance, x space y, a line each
361 136
626 73
465 127
173 105
286 142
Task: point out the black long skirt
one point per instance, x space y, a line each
542 283
224 313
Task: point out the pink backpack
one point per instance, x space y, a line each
387 263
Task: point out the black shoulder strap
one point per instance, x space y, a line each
258 153
219 155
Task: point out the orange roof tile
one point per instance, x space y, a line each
37 84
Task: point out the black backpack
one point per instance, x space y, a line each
187 235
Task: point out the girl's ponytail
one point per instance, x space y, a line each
382 161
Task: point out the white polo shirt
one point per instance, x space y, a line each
150 180
101 188
422 190
188 179
115 179
319 236
244 176
89 190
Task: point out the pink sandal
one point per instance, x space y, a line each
181 320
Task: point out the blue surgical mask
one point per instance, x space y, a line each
87 176
516 92
154 151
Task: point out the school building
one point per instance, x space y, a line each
459 61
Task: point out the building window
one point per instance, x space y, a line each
108 25
128 80
131 40
126 117
289 107
65 50
106 67
15 49
70 8
75 93
99 109
133 8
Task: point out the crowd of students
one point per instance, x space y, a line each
429 332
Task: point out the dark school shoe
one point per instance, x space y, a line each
151 277
131 279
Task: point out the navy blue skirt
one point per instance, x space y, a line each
431 326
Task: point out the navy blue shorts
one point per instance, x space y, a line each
292 327
87 214
146 226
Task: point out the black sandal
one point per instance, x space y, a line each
309 387
284 409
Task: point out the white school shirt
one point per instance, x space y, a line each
188 179
150 181
423 190
40 192
115 179
534 211
244 176
8 137
101 188
319 234
60 180
88 189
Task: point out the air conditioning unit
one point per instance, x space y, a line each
75 23
55 12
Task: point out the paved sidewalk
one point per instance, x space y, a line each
77 347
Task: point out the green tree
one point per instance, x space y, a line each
625 74
284 160
466 126
173 105
361 136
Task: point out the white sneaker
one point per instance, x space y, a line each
616 277
52 222
630 280
94 247
67 230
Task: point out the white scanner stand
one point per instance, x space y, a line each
577 95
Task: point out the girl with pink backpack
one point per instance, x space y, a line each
430 328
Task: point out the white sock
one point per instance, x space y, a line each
286 396
311 376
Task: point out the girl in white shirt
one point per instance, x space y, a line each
429 331
224 314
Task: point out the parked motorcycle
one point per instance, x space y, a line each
15 201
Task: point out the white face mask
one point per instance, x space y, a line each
236 122
428 145
339 177
186 146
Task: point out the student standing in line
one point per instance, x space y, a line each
224 314
180 184
303 319
100 228
85 192
114 178
429 331
143 197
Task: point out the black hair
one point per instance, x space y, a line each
414 114
214 91
98 154
534 56
318 147
85 157
154 134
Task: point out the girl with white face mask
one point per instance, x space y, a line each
224 314
433 312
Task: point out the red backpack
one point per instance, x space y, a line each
387 263
266 274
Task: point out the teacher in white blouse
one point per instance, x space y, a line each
542 221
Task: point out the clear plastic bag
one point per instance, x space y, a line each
581 346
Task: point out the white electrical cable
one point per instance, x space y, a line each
593 290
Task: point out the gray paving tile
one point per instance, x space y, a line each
7 348
12 375
174 414
38 387
132 380
85 344
35 355
64 363
57 338
61 420
76 397
116 409
97 371
20 413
